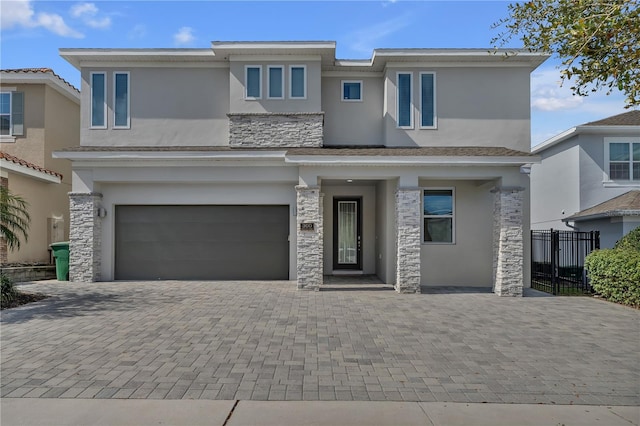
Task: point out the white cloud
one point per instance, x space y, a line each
20 13
547 93
137 32
184 36
366 39
88 12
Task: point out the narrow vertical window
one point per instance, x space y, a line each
17 113
427 100
5 114
298 82
253 78
98 100
352 91
276 82
121 115
404 100
635 165
619 161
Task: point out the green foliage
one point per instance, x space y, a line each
7 290
631 241
598 41
615 274
14 218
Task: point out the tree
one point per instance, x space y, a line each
14 218
598 41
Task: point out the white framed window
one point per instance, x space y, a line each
438 211
11 114
276 82
622 159
5 114
404 100
121 100
351 91
428 100
98 100
253 82
298 82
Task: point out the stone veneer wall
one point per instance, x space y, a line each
276 130
508 242
408 218
85 237
309 243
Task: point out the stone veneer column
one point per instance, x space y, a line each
85 237
309 242
508 242
408 219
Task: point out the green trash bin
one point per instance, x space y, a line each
61 254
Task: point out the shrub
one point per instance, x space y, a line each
615 275
8 293
631 241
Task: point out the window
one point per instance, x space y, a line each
11 113
298 89
427 100
276 82
404 100
98 100
253 79
352 91
121 116
438 214
624 160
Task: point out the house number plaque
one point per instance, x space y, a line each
307 227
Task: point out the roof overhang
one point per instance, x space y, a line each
328 160
593 130
87 57
603 215
46 78
10 166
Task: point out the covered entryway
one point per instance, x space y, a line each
199 242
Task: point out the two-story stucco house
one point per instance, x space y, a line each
588 179
275 160
39 113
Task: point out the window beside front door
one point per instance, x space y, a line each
438 215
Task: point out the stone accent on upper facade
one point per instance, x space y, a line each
276 130
508 241
408 218
309 237
85 237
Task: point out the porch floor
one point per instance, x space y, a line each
353 283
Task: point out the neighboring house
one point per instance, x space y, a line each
39 113
275 160
584 175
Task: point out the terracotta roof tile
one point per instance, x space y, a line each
627 204
39 71
631 118
24 163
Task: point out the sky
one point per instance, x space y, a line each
31 32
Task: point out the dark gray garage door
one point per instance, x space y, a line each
202 242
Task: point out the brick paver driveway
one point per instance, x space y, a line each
257 340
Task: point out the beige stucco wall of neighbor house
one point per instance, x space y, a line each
169 107
555 184
238 103
30 146
475 106
46 200
368 194
352 123
191 186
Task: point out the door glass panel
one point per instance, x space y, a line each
347 232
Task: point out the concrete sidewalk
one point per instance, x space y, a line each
34 411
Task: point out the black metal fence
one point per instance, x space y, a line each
557 260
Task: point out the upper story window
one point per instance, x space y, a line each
623 159
98 100
11 113
438 215
276 82
253 80
404 83
427 100
298 80
351 91
121 101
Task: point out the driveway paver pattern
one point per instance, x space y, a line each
268 341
